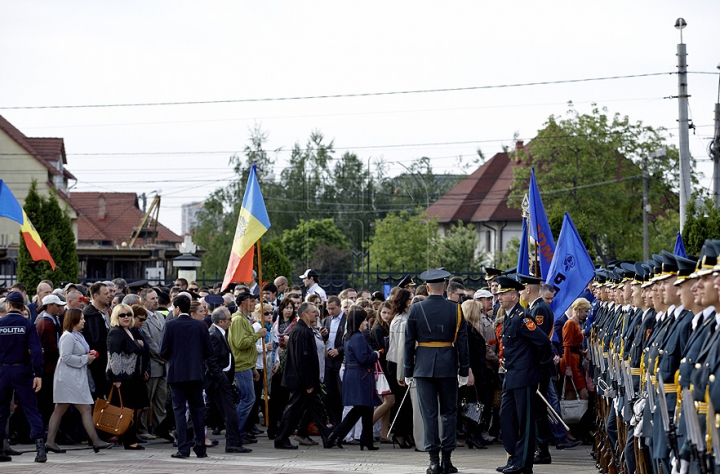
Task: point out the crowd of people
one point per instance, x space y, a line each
355 368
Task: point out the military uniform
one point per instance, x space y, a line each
21 361
525 349
440 331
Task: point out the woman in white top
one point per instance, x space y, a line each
395 366
70 384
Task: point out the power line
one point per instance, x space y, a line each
337 96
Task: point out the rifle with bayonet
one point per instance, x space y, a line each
668 424
697 446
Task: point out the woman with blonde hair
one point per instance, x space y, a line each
473 392
124 369
572 337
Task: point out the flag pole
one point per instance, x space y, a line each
264 356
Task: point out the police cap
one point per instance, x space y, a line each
434 276
508 284
406 281
491 273
528 280
15 297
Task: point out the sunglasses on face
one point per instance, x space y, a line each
142 319
267 313
124 315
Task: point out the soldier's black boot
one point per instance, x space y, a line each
447 467
434 467
542 455
41 455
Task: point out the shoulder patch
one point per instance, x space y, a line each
539 319
530 324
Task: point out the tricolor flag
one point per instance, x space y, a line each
540 228
253 222
11 208
571 268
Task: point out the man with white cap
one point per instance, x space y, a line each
49 329
311 281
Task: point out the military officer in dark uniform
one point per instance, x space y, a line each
21 368
440 331
525 348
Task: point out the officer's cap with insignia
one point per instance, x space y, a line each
527 279
600 278
709 257
669 266
492 273
406 281
137 286
686 267
627 271
639 276
434 276
508 284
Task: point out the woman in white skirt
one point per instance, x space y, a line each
70 385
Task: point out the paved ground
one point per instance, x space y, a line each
265 459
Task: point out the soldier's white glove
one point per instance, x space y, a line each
409 381
462 380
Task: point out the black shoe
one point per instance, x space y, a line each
201 455
237 449
57 450
179 455
250 435
216 431
255 430
370 447
567 444
10 451
286 445
403 445
475 442
517 470
41 455
542 459
165 435
4 457
433 469
502 468
246 440
332 440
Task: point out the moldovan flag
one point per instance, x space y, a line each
253 222
11 208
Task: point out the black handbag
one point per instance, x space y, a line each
472 410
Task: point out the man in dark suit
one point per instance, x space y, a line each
220 376
440 331
333 330
302 378
525 348
186 346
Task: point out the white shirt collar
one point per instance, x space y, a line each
222 331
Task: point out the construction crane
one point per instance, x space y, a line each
154 212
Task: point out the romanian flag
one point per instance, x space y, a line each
10 208
253 222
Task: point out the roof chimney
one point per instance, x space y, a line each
519 146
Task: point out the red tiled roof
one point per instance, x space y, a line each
122 215
482 196
46 144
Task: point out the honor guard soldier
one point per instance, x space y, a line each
440 331
526 349
21 368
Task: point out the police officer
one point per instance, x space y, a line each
21 366
525 348
440 331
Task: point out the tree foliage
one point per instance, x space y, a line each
54 226
404 241
274 260
316 244
591 166
457 249
702 222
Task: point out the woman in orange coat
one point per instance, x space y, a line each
572 338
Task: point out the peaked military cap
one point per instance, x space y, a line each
434 276
406 281
686 267
506 284
708 258
669 266
492 273
528 280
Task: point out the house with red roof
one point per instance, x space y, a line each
481 200
103 223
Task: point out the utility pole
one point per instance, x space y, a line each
685 186
715 153
646 209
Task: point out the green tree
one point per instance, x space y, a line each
54 226
404 241
274 261
590 166
302 244
457 248
702 222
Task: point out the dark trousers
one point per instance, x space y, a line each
45 398
333 396
403 420
278 401
299 402
19 379
189 393
517 423
222 397
430 391
356 413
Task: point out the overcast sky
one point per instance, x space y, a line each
103 53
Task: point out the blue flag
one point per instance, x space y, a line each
9 205
540 229
679 247
523 266
571 268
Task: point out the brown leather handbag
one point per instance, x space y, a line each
111 418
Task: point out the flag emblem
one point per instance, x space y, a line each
540 318
568 263
529 323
